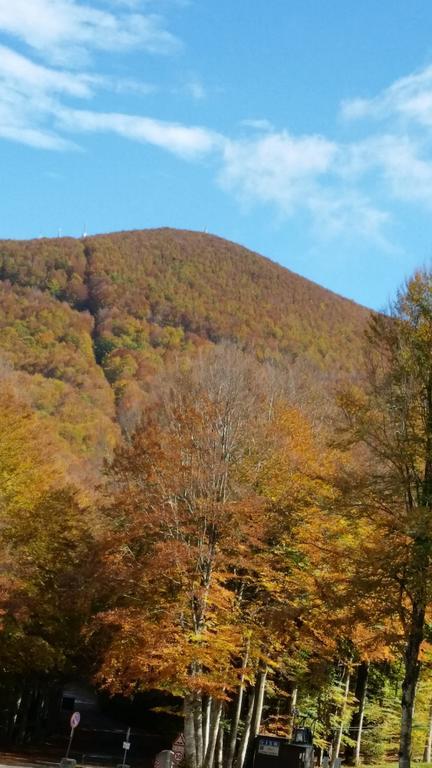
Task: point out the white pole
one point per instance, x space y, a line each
126 748
70 742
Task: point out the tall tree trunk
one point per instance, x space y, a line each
214 730
342 714
412 669
427 754
198 726
237 713
292 712
361 712
207 721
21 719
241 754
352 754
260 686
189 732
219 748
11 709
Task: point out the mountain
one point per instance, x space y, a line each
86 323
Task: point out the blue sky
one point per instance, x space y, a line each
299 128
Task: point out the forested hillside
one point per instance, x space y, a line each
86 324
215 486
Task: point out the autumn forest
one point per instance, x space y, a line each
216 485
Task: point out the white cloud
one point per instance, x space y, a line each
19 72
195 89
344 188
277 168
340 212
65 31
258 124
33 137
408 175
31 94
302 173
186 141
400 164
409 98
28 94
33 111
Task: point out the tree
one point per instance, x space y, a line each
48 551
390 417
221 547
185 518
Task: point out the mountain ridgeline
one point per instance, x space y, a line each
85 324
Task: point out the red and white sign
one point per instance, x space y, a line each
75 718
178 748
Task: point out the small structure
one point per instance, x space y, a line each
277 752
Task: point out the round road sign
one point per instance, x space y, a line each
75 719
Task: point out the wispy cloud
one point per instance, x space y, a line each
189 142
277 168
340 212
194 88
350 186
258 124
28 93
403 163
33 111
49 100
302 173
20 73
65 31
409 98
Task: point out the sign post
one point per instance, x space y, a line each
178 749
75 718
126 747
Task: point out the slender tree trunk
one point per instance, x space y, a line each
412 669
342 714
21 720
207 720
12 709
241 754
427 754
198 726
234 728
189 732
220 746
214 730
352 754
237 713
260 686
292 711
361 712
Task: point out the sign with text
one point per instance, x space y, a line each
268 747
